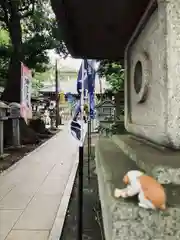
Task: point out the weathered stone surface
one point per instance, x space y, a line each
163 164
123 219
158 49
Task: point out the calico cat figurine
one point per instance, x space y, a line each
150 193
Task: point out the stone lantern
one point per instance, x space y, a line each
15 116
3 117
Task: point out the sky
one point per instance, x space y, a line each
73 63
69 62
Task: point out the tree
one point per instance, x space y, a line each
5 54
114 74
31 30
40 34
12 13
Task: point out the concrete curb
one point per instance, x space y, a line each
58 224
61 214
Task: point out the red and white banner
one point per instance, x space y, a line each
26 85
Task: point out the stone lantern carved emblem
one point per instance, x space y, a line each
141 77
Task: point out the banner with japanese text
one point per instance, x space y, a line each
26 90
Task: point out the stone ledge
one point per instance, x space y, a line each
162 163
109 177
123 219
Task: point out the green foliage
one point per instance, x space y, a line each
114 74
5 52
4 37
40 78
39 34
116 80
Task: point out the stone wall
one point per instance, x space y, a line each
173 63
154 108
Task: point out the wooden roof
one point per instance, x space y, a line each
104 103
98 29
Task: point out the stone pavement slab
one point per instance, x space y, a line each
27 235
7 220
31 190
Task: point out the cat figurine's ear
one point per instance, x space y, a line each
126 179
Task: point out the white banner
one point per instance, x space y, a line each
26 82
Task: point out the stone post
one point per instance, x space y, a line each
15 116
16 132
3 117
1 137
52 117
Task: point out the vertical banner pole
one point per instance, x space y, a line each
81 165
90 137
80 194
57 94
89 147
100 85
85 80
91 79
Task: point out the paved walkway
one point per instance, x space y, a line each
31 190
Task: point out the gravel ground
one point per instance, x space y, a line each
16 154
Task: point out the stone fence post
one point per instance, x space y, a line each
15 116
3 117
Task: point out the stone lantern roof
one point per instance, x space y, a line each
98 29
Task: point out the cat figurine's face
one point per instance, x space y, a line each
132 176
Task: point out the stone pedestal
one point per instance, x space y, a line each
153 77
122 218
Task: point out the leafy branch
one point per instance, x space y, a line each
114 74
21 8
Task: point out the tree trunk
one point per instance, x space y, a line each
13 84
12 92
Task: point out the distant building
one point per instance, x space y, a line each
67 83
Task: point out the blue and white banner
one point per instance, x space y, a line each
76 126
82 78
91 74
85 80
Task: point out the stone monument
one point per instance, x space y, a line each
152 76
